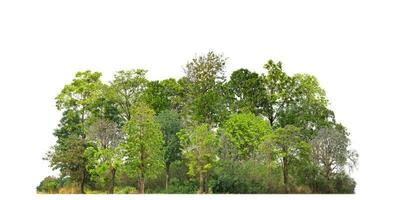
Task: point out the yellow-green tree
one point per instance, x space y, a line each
199 148
144 144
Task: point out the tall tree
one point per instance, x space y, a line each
245 132
331 150
205 77
126 89
289 147
107 154
245 92
77 100
164 95
144 145
199 148
170 124
279 87
308 108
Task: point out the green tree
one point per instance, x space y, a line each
126 89
204 77
199 148
164 95
170 124
279 87
144 145
288 147
77 100
245 92
245 132
49 185
107 154
308 108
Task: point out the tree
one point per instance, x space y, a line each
107 152
245 132
308 108
245 92
164 95
126 89
144 145
170 124
77 100
199 148
205 77
279 88
289 147
330 150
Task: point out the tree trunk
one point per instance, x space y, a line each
111 188
141 182
285 173
141 178
82 183
201 183
167 175
328 178
206 183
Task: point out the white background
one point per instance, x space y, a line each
352 47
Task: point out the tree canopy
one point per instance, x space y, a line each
205 132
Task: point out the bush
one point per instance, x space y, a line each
125 190
244 177
343 183
48 185
178 187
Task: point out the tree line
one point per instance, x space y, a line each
202 133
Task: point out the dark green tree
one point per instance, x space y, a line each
170 124
245 92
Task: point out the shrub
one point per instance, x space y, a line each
48 185
125 190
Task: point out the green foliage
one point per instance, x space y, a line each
245 132
255 133
199 148
204 78
144 144
126 190
288 148
126 89
170 124
245 177
49 184
245 92
164 95
106 154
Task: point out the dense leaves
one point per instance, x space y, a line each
253 133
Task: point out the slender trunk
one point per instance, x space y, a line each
141 178
167 175
82 183
201 183
328 177
206 183
141 182
285 173
111 188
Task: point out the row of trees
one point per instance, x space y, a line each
268 133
